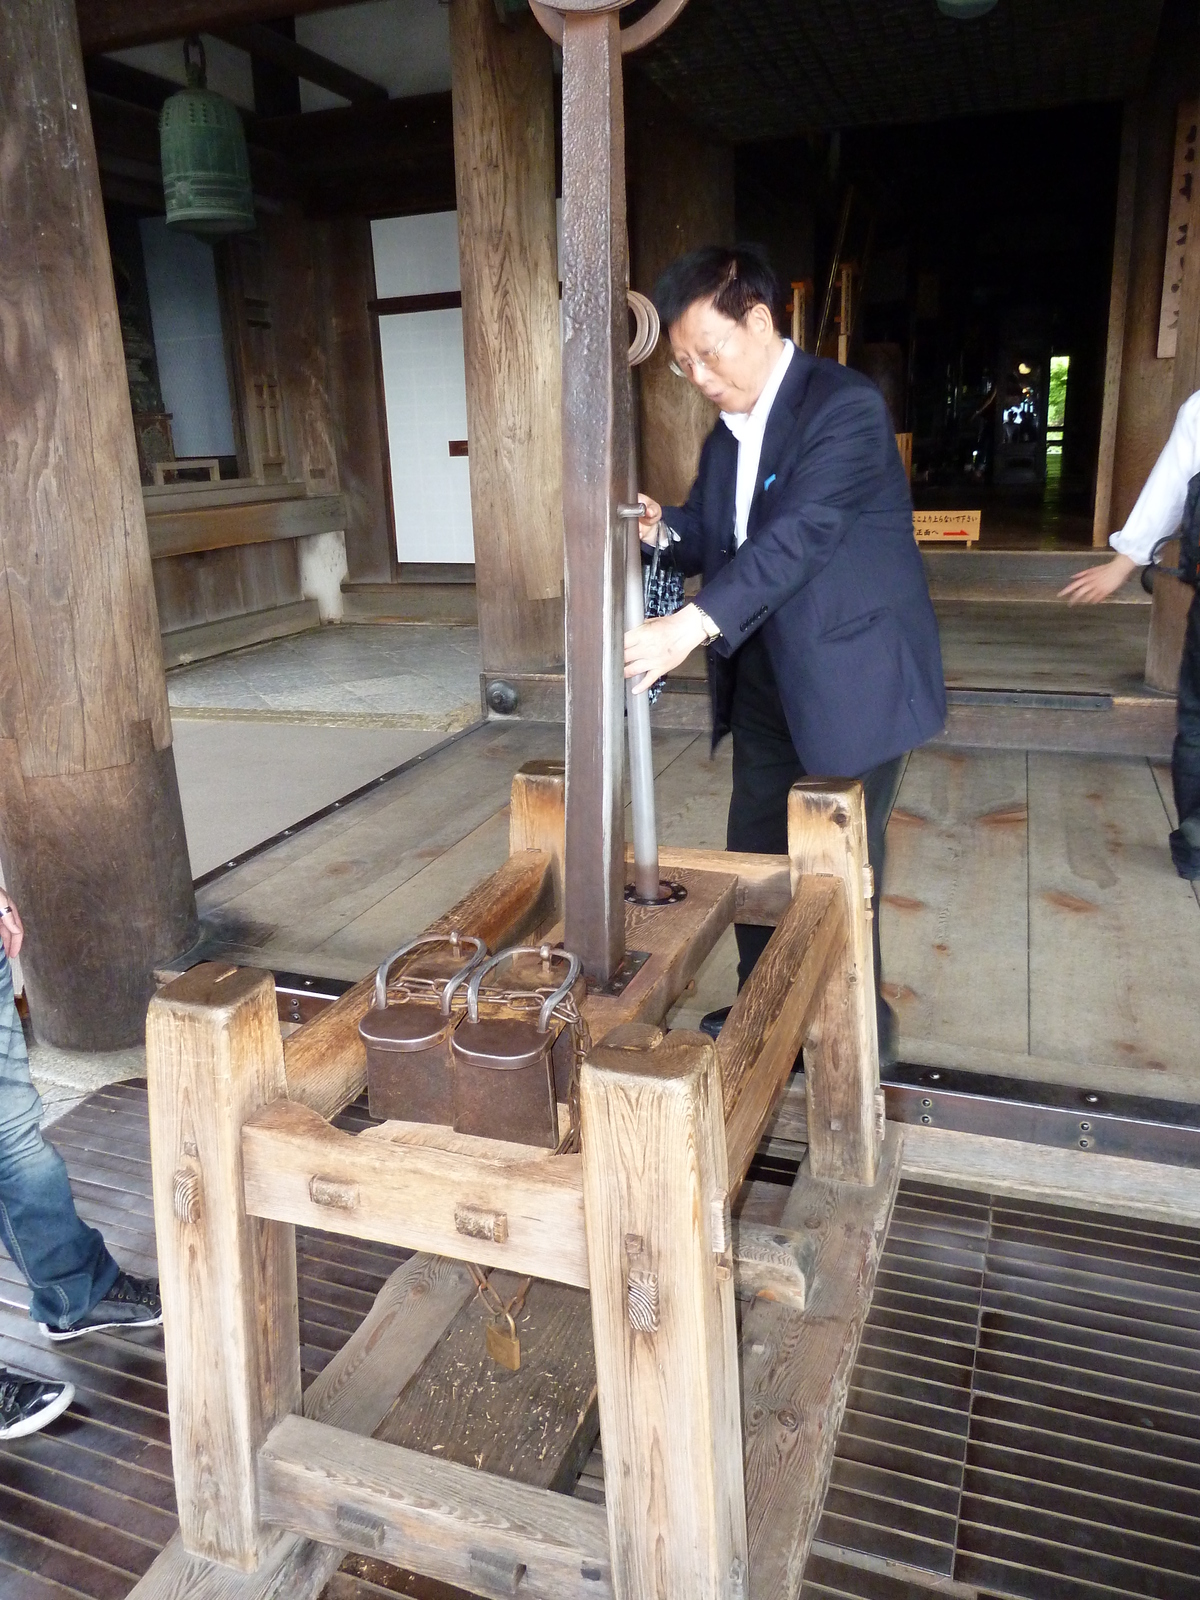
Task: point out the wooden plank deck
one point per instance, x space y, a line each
1034 925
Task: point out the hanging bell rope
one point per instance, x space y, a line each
205 163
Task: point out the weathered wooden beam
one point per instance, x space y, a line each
326 1061
659 1251
764 886
183 532
420 1186
280 51
775 1264
230 1320
91 829
537 815
827 835
502 83
490 1535
770 1018
115 24
597 434
796 1369
678 938
354 1391
537 1424
1118 303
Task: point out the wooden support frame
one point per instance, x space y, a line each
642 1219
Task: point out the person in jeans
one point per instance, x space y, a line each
77 1286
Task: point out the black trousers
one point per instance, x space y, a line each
765 766
1185 757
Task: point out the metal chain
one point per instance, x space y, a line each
498 1308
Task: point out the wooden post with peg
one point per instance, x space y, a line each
230 1322
660 1263
827 834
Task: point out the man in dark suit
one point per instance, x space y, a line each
823 652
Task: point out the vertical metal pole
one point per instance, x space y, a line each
641 754
597 419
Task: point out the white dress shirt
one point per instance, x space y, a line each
1159 507
748 428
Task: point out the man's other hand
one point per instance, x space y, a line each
648 526
1093 584
652 649
12 929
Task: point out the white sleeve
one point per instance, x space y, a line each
1159 507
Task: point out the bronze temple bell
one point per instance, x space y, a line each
409 1067
503 1066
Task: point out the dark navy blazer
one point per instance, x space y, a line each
829 571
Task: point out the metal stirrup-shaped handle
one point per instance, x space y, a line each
547 953
455 939
656 21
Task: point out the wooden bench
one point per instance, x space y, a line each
724 1449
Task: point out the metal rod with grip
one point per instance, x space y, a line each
641 755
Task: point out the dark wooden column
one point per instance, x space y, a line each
345 288
503 95
680 197
597 432
90 825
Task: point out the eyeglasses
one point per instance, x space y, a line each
689 369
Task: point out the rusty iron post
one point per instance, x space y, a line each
597 455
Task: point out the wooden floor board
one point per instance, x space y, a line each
348 870
953 922
1114 952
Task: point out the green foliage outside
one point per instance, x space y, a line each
1058 390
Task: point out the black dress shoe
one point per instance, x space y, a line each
712 1022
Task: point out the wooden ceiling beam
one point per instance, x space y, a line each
301 62
117 24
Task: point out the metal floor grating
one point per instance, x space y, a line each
1024 1417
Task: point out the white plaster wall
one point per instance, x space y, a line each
322 568
229 70
185 310
416 255
402 44
424 388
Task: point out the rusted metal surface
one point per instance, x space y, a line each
597 425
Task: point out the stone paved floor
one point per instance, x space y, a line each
374 676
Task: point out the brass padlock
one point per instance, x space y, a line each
503 1066
409 1075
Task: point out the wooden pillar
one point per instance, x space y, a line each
230 1320
1117 303
345 275
655 1185
503 94
91 830
827 833
680 197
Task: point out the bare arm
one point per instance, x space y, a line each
1093 584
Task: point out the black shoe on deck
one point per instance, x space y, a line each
26 1404
712 1022
130 1303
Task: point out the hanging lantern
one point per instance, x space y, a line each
964 10
205 167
